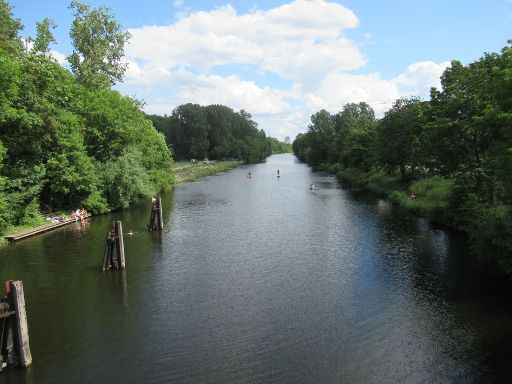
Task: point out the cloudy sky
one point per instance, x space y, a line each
284 60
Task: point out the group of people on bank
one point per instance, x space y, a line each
79 214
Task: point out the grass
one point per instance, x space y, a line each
186 171
432 195
13 229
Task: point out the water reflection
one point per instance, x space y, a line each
261 281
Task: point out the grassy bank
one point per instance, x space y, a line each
186 171
429 197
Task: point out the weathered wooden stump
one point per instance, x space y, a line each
113 257
14 340
156 221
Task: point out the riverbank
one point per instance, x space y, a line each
429 197
185 171
436 198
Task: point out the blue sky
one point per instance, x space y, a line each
284 60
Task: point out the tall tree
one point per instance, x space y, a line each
322 137
398 138
98 42
44 37
355 133
9 28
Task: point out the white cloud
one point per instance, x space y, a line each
420 77
293 40
59 57
303 41
205 89
338 89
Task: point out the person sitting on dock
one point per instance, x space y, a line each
83 214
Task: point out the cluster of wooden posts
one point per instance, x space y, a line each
14 344
14 340
113 257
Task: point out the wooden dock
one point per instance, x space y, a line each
40 229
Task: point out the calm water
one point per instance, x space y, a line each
260 280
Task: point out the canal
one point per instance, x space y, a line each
260 280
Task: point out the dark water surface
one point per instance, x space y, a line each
260 280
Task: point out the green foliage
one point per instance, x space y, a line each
98 43
70 171
125 180
31 214
95 202
432 198
5 211
9 28
355 135
279 146
64 145
455 151
44 37
214 132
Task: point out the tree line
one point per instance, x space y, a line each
67 140
215 132
448 158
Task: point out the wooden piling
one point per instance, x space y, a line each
156 220
113 257
160 214
109 251
14 339
119 244
21 336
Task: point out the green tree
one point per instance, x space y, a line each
322 133
125 180
399 136
355 129
189 134
10 41
98 43
44 37
5 211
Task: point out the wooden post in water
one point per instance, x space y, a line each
156 220
14 339
113 258
160 214
110 244
17 297
118 230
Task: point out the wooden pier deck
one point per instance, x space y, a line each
40 229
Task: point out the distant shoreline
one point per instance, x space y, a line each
186 171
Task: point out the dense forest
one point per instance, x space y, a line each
67 140
215 132
448 158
